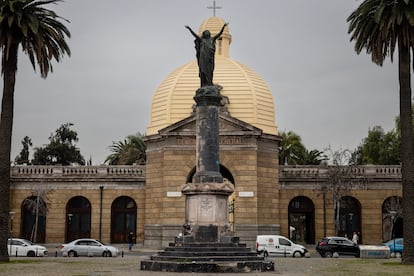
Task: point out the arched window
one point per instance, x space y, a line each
123 219
392 219
223 171
34 212
302 220
78 218
349 217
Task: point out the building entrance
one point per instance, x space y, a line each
78 218
302 220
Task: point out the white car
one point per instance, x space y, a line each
279 246
24 248
88 247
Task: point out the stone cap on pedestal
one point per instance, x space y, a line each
225 188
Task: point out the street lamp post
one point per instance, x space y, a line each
11 216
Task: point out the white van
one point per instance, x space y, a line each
280 246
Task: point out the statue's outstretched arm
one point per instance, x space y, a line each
192 32
221 31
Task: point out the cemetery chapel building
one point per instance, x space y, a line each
54 204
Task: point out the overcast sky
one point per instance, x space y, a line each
122 50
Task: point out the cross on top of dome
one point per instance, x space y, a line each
214 8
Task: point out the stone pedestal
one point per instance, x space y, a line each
206 211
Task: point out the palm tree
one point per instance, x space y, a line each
311 157
42 37
128 152
290 148
379 27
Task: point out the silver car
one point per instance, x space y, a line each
23 248
88 247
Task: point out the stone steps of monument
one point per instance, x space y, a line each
205 253
209 244
213 257
212 267
206 258
203 249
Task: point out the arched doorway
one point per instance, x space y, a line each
392 220
223 171
34 212
78 218
123 219
349 217
302 220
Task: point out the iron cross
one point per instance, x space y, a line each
214 7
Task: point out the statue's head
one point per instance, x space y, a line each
206 34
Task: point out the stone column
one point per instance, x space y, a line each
207 196
207 135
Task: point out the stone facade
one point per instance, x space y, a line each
370 186
263 198
100 185
248 159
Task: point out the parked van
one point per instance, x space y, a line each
280 246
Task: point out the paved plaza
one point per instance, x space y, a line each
129 264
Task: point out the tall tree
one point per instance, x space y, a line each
293 152
378 148
380 27
42 37
61 148
23 157
290 148
128 152
342 179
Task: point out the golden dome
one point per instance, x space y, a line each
250 99
214 25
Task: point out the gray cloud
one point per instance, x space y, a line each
122 50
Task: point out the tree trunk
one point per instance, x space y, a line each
6 126
407 155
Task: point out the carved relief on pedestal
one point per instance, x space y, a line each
206 213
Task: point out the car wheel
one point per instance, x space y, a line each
107 254
72 254
265 254
328 254
397 254
297 254
30 254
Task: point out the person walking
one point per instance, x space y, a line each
131 240
355 238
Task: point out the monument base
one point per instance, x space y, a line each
206 243
207 257
206 211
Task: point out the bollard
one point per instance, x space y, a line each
122 253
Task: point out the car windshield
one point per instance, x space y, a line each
27 241
18 241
